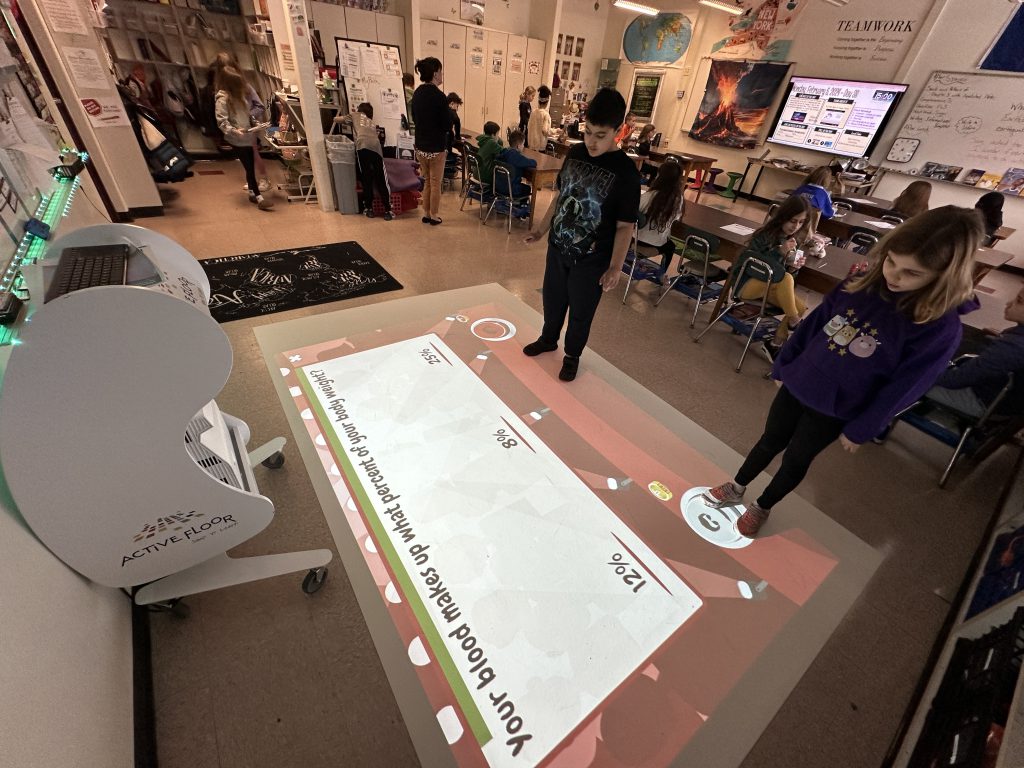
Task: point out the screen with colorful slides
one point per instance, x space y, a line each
560 594
841 117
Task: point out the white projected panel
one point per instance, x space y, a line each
839 116
466 500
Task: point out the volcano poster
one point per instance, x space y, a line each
736 102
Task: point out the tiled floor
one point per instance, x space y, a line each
263 675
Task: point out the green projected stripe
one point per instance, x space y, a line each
458 685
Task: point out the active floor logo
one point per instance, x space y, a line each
182 532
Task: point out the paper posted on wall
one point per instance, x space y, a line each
390 104
371 62
350 63
392 64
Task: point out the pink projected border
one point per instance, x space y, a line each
601 434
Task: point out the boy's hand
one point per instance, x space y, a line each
847 445
610 278
533 237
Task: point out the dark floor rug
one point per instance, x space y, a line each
274 281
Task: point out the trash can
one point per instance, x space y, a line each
341 154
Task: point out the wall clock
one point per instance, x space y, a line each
902 150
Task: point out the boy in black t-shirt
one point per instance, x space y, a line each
591 223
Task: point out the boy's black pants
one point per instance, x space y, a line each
571 287
371 168
801 432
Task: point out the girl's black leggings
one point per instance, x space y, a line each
801 432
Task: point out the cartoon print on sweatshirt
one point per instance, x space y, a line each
584 188
845 336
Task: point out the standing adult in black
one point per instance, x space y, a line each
433 122
525 108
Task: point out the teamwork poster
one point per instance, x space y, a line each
562 592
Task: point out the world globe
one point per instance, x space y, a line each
661 39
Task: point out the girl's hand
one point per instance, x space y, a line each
533 237
847 445
789 244
610 278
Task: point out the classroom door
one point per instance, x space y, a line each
476 77
495 64
515 76
454 63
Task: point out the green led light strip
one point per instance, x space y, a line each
49 211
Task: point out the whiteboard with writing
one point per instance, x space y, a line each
372 72
967 119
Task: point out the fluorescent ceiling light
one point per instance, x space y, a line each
719 5
629 5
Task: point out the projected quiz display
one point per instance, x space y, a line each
546 561
838 116
418 465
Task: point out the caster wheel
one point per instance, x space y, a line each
314 580
274 461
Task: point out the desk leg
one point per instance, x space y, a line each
743 180
757 178
533 198
701 175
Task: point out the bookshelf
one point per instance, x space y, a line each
175 43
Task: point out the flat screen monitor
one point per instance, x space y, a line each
841 117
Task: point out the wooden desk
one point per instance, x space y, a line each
690 163
545 173
844 226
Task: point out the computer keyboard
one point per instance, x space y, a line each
87 267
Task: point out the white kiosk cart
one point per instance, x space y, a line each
113 448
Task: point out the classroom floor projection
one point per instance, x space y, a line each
541 579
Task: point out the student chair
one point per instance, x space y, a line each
639 263
841 207
861 242
696 276
517 205
755 317
973 436
771 212
656 141
476 188
892 218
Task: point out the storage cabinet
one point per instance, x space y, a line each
489 69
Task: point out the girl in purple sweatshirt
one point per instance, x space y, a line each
874 346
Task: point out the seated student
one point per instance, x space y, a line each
773 243
971 386
623 137
643 141
815 189
453 158
991 206
513 156
488 146
912 200
662 204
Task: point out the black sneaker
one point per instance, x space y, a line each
539 346
570 365
388 216
369 213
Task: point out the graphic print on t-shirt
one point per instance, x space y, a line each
583 190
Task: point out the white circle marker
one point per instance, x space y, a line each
508 331
450 725
417 653
307 414
392 594
370 545
320 440
717 526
